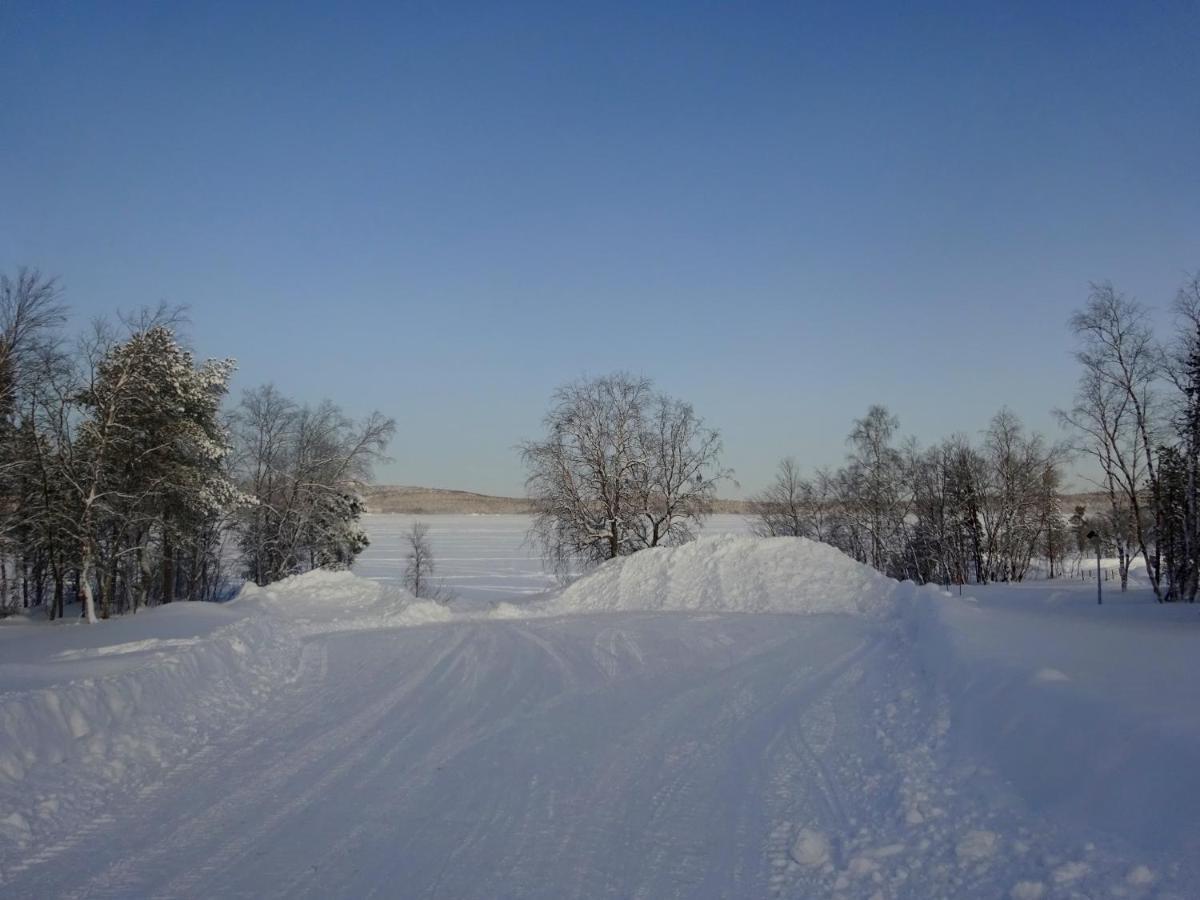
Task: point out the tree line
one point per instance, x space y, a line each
953 513
622 467
126 481
959 513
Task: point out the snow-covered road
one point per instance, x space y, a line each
631 737
631 755
550 758
641 755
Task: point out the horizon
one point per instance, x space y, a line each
781 217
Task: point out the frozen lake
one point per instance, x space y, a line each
479 558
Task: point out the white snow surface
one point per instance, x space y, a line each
667 726
322 602
480 559
732 573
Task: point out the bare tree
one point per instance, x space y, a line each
30 315
875 494
1117 399
419 569
621 468
1014 512
784 509
966 480
30 312
677 481
304 467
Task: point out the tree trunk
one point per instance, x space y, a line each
85 584
108 601
142 588
168 570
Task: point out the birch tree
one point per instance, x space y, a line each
620 468
785 507
875 493
1122 364
303 467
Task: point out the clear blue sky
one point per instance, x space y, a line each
782 213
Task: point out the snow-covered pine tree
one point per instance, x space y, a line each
147 464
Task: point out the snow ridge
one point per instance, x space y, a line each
68 745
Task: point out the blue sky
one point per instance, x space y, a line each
780 212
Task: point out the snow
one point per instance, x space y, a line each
811 848
481 559
1069 701
323 602
90 711
736 717
731 573
1028 890
976 846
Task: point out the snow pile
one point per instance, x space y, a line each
323 601
123 701
732 573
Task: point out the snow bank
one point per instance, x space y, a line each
732 573
88 710
143 704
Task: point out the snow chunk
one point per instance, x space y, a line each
1051 675
15 826
1027 890
1140 876
1069 872
977 846
811 848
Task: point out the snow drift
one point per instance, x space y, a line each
733 573
125 700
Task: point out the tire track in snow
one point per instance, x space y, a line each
348 737
642 808
257 792
776 723
462 735
395 762
751 734
309 672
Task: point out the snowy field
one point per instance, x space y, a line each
735 718
480 559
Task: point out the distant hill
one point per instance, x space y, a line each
425 501
398 498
